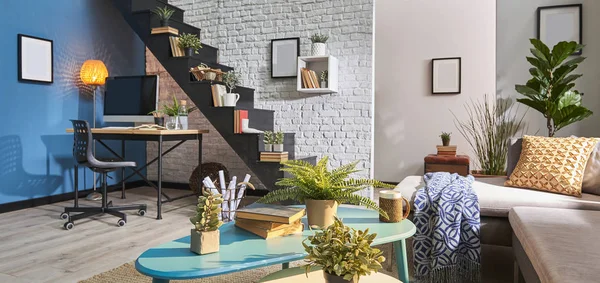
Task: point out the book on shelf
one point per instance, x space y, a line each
260 228
238 116
309 78
175 49
446 150
271 212
218 91
160 30
315 79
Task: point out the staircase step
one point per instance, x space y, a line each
160 44
149 5
246 94
198 59
260 119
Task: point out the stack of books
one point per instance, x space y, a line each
278 157
309 79
268 221
238 116
446 150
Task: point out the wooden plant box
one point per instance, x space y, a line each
444 163
161 30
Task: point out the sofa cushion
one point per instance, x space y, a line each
552 164
495 199
591 177
561 244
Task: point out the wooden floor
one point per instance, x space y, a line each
34 246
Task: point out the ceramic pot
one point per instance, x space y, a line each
268 147
323 84
320 213
189 51
164 23
230 99
330 278
278 147
204 242
183 120
446 142
159 121
318 49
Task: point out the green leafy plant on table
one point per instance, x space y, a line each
164 14
189 42
322 190
205 235
487 129
551 88
343 252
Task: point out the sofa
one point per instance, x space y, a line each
496 202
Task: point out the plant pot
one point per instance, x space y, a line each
204 242
183 120
159 121
173 123
445 142
320 213
323 84
278 147
331 278
268 147
189 51
318 49
230 99
164 23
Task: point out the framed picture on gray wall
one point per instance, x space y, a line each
284 57
560 23
35 59
446 75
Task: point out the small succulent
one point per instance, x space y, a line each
231 79
324 75
278 138
445 137
164 14
190 40
343 251
319 38
268 137
207 212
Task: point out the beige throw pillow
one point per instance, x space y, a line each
591 175
552 164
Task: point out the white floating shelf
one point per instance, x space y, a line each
319 64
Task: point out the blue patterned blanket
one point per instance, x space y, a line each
447 244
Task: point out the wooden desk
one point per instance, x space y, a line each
160 136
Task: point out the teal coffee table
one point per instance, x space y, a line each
241 250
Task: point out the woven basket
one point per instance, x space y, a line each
207 74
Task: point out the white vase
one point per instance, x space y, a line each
323 84
230 99
268 147
183 120
278 147
318 49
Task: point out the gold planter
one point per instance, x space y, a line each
320 213
204 242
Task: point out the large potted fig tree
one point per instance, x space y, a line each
551 90
323 190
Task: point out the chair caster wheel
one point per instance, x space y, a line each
142 212
121 223
69 225
64 216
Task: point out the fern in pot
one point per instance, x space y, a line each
190 43
163 14
319 44
322 190
343 253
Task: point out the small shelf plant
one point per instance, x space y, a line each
324 78
445 138
190 43
343 253
205 234
319 44
268 140
164 14
278 141
231 79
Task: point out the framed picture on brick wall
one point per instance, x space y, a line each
284 57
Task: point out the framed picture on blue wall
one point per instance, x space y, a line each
35 59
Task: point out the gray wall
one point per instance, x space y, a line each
337 125
517 22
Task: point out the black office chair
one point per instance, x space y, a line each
82 152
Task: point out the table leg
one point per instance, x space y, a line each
285 265
123 170
76 168
401 261
200 162
158 280
159 192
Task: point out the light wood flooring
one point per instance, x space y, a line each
34 246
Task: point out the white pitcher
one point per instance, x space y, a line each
230 99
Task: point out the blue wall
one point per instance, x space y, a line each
35 152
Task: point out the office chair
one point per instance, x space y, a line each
82 153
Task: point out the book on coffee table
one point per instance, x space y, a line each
271 212
266 230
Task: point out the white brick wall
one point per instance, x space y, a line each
337 125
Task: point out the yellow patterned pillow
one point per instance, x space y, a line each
552 164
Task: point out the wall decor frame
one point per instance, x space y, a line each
35 59
284 57
560 23
446 75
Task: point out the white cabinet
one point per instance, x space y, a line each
319 64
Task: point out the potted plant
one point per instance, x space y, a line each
159 118
204 237
343 253
324 78
551 90
231 80
164 14
487 129
445 138
322 190
172 111
190 43
278 142
268 140
319 46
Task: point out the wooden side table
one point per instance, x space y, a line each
297 275
445 163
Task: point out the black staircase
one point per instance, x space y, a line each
138 15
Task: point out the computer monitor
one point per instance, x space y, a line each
130 98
